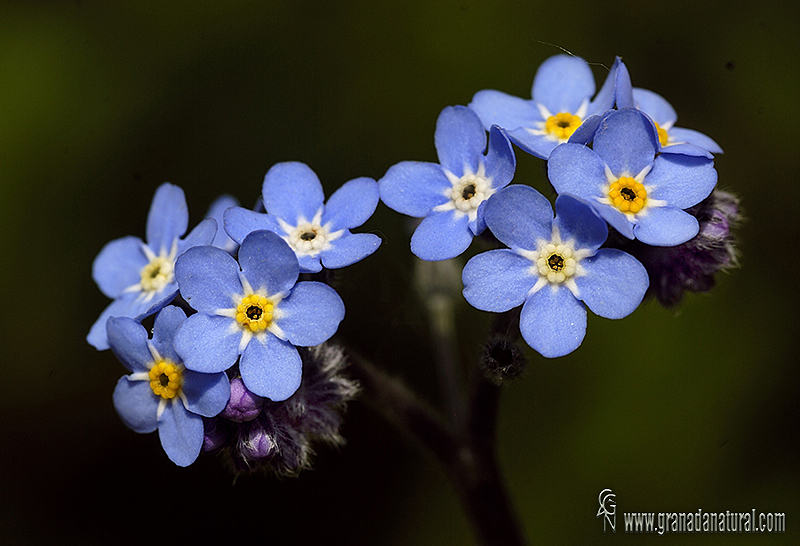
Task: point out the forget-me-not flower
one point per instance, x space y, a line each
161 393
552 266
139 277
450 195
259 312
642 194
562 100
318 233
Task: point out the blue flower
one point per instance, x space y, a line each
160 393
216 211
642 196
551 267
450 195
138 276
293 199
257 312
561 92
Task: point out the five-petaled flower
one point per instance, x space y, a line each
562 91
139 277
552 266
450 195
642 194
293 198
160 393
259 312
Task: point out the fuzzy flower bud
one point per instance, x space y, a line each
243 404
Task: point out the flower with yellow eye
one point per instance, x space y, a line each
562 101
254 308
160 393
139 277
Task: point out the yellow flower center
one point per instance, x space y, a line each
157 274
254 313
166 379
627 195
562 125
556 262
663 138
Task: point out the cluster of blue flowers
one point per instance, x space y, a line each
631 188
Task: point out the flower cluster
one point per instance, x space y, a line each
250 371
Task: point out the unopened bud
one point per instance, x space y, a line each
243 404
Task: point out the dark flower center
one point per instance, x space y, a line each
468 192
308 235
163 379
556 262
628 194
254 312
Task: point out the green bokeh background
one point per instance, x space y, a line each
100 102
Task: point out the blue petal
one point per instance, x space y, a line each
136 404
217 212
166 326
537 145
562 83
685 148
584 134
202 234
498 108
553 322
208 278
605 98
311 314
615 218
309 263
441 236
268 262
181 434
690 136
577 220
577 170
352 204
350 249
655 106
460 139
626 141
414 187
292 192
666 226
272 369
126 306
614 284
241 222
119 266
207 394
681 180
128 341
497 280
624 90
500 160
168 218
208 344
519 216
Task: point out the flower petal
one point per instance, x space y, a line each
441 236
414 187
690 136
606 97
614 284
655 106
506 111
623 91
126 306
202 234
217 212
128 341
666 226
208 344
272 369
166 326
207 394
626 141
577 170
562 83
553 322
168 218
292 191
538 145
119 266
497 280
208 278
181 434
681 180
352 204
519 216
241 222
136 404
500 161
577 220
350 249
460 139
311 314
268 262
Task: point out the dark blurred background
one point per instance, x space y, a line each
100 102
